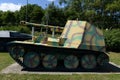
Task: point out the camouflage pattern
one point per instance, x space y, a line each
82 35
31 60
88 61
53 41
71 62
80 44
76 34
49 61
16 51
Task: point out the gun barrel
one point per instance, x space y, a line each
39 25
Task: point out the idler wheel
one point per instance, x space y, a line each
71 62
31 60
88 61
16 51
102 59
49 61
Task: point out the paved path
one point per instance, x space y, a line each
107 69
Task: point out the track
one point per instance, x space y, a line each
107 69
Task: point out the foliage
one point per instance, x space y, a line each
8 18
16 28
54 16
37 14
102 13
112 39
31 12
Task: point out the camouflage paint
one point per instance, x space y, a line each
88 61
31 60
49 61
102 59
53 41
71 62
82 35
17 52
73 31
76 34
41 38
93 39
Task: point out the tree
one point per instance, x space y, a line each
1 20
37 14
25 12
17 17
73 9
103 13
54 16
34 13
114 12
8 18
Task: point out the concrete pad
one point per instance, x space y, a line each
107 69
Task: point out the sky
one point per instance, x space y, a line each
13 5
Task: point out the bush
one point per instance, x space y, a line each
112 39
24 30
21 29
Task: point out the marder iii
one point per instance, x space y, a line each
81 45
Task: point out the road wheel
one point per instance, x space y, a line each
16 51
31 60
71 62
102 59
49 61
88 62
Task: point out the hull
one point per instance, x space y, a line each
42 56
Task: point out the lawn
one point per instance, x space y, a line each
115 57
6 60
60 77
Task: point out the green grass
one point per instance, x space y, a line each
60 77
6 60
115 57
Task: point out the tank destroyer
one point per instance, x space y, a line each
80 45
